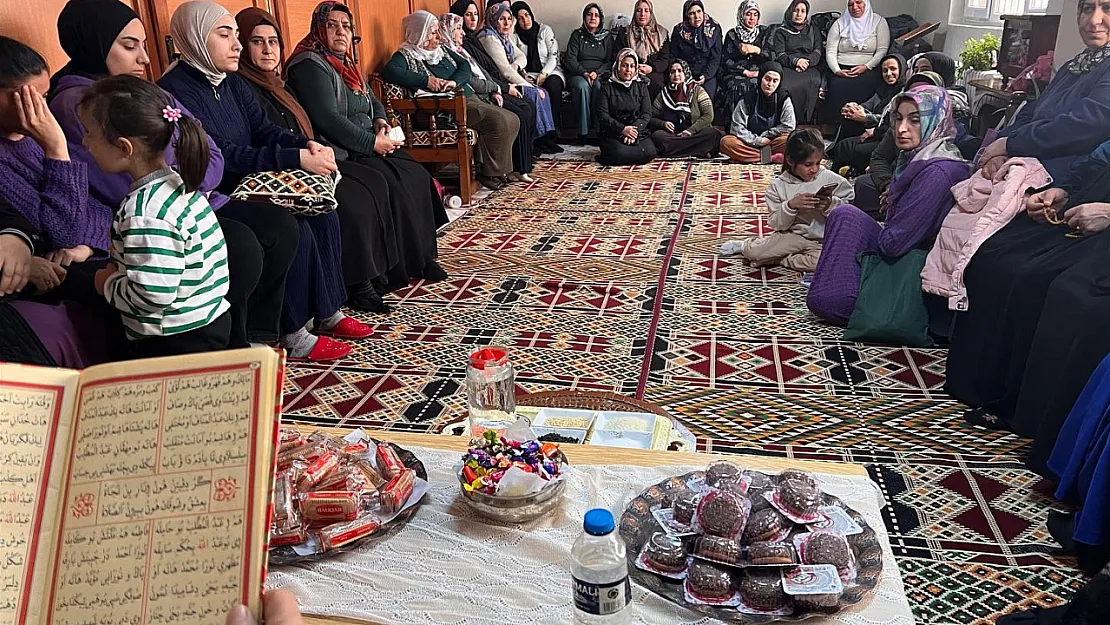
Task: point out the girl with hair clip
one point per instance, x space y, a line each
168 271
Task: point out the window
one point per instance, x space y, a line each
993 10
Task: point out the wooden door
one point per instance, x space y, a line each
162 10
38 27
435 7
295 18
378 22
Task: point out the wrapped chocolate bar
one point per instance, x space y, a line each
288 534
339 534
389 463
283 497
330 506
318 470
289 438
397 491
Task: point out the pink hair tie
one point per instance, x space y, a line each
171 114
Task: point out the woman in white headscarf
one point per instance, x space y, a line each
854 47
423 64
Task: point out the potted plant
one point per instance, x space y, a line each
978 58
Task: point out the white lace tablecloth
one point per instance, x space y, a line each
447 565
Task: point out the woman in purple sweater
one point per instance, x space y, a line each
919 198
106 38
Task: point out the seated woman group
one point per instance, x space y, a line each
285 276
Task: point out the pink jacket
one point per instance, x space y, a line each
982 208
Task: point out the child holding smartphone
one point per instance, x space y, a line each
798 200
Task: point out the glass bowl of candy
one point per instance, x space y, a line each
512 481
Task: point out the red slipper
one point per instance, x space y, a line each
348 328
327 349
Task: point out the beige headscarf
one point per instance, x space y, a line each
190 26
418 27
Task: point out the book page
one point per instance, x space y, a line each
36 406
165 507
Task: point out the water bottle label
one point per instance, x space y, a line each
602 599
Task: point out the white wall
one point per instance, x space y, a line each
566 15
1068 43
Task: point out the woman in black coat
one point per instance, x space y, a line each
623 113
797 46
743 54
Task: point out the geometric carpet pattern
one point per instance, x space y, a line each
610 279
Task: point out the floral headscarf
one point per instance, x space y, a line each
938 127
494 13
745 34
316 41
447 24
702 36
648 39
615 74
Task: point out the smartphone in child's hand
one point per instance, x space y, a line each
827 190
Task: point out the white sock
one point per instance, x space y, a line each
299 343
330 322
732 248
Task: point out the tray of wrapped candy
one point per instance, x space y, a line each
512 478
331 493
745 547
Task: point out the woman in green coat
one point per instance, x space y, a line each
682 117
422 64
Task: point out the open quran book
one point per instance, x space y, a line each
136 492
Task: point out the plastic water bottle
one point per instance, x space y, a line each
599 569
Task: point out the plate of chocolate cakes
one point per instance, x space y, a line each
747 547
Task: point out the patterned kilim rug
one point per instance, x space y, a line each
609 279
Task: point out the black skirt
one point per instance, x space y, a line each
370 241
840 91
1007 282
804 88
417 212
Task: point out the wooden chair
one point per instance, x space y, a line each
426 142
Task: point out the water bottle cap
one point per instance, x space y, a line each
489 357
598 522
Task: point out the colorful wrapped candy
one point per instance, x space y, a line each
389 463
330 506
489 457
397 491
339 534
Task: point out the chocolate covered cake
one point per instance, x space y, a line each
764 525
770 553
763 589
708 581
665 553
828 548
717 548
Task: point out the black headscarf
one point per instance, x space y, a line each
87 29
788 18
459 8
887 92
943 65
528 37
768 106
601 33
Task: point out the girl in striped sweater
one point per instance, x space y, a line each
168 272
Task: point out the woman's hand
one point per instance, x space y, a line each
591 77
867 134
513 91
1046 203
669 127
280 607
802 65
498 99
764 141
320 163
630 134
700 81
1087 218
67 257
383 144
751 73
102 276
644 69
15 263
804 201
37 122
45 275
685 133
747 48
436 84
854 112
540 79
993 157
858 70
844 74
